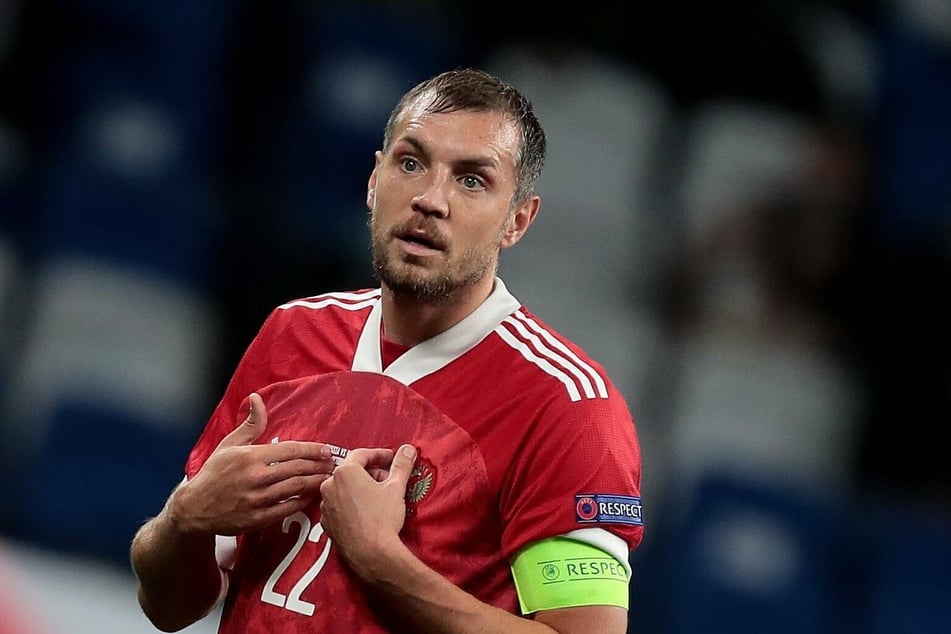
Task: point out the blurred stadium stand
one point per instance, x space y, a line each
910 588
746 218
116 354
753 557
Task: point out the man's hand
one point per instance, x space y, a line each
362 514
244 486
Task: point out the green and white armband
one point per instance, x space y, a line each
561 573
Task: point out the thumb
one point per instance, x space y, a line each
251 428
402 466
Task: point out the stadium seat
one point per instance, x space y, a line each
103 341
911 583
97 475
751 558
111 382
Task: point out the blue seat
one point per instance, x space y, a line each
913 135
750 557
110 390
99 474
159 224
911 584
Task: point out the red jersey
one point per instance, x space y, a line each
520 437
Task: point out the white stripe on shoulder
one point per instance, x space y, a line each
565 351
544 364
347 301
547 352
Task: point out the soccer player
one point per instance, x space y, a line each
426 456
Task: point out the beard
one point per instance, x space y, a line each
408 279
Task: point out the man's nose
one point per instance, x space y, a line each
433 198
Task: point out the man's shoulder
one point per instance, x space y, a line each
334 302
529 327
543 352
349 307
353 300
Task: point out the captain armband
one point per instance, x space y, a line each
562 573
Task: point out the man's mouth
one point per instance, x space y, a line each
419 242
417 248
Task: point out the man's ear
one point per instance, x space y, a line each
371 182
520 220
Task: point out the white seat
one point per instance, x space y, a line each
104 334
768 401
605 123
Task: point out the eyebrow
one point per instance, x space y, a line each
466 164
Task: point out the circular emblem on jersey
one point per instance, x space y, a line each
550 572
586 508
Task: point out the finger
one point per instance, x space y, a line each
276 472
298 449
251 428
402 467
281 509
325 488
370 456
378 473
306 487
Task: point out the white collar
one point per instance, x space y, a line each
434 353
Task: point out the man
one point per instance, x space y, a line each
428 456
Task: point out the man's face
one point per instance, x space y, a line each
440 201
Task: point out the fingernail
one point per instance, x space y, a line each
409 451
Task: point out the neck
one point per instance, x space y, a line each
409 321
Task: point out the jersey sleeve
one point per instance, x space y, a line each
581 468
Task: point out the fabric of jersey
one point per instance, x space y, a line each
518 423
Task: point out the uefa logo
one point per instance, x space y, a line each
586 507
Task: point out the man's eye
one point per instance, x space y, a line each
410 165
471 182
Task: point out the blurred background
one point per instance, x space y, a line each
746 219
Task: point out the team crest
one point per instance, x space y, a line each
421 482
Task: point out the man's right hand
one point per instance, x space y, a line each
245 486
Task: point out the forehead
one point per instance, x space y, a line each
465 131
